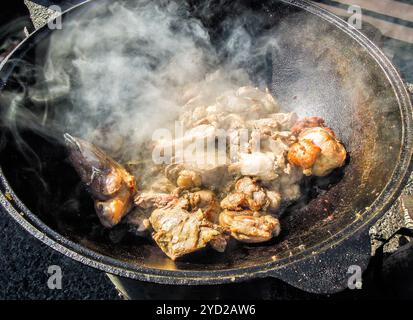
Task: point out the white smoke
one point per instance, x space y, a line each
127 66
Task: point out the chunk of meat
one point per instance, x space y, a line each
179 232
246 185
258 164
150 200
235 202
206 201
188 179
111 211
263 124
222 120
211 108
249 226
111 186
188 176
240 103
285 120
264 98
307 122
239 201
265 157
249 195
317 152
200 132
304 154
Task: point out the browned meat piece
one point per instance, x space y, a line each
258 201
111 186
183 176
235 202
203 199
188 179
249 195
111 211
249 226
206 201
303 154
258 197
179 232
150 200
246 185
317 152
308 122
286 120
213 107
145 203
188 176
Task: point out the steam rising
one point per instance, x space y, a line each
126 67
119 71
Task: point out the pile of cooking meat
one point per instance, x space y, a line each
185 206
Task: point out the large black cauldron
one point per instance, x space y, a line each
315 251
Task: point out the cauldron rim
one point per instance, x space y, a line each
32 224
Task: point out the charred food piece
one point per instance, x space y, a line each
111 186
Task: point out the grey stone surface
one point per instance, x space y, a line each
393 221
24 262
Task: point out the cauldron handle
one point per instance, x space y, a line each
339 267
332 270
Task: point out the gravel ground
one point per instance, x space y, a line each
24 262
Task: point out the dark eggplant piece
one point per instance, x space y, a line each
110 184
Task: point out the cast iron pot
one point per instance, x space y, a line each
321 66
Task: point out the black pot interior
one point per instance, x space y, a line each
315 69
